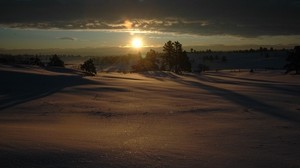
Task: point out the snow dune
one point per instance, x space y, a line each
57 118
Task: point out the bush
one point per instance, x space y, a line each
89 67
36 61
56 61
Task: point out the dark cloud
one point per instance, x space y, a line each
235 17
67 38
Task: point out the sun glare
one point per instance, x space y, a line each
137 43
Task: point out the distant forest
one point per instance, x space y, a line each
172 58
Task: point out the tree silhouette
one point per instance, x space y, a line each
224 59
36 61
175 58
151 60
203 68
149 63
294 61
167 58
177 54
89 67
184 62
56 61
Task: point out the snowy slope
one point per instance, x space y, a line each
55 118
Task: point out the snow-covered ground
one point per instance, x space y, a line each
56 118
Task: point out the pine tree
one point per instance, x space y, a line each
89 67
168 55
177 55
176 59
184 62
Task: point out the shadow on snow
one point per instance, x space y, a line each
18 87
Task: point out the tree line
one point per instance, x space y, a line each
251 50
53 61
173 58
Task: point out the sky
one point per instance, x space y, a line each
74 24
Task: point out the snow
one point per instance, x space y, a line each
57 118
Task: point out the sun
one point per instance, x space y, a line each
137 43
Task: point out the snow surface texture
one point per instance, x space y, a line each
56 118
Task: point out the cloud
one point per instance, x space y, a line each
67 38
204 17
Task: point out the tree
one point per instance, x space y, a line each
89 67
167 59
36 61
56 61
184 62
178 53
172 59
151 60
224 59
294 61
176 59
149 63
216 57
203 68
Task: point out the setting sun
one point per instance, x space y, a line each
137 43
